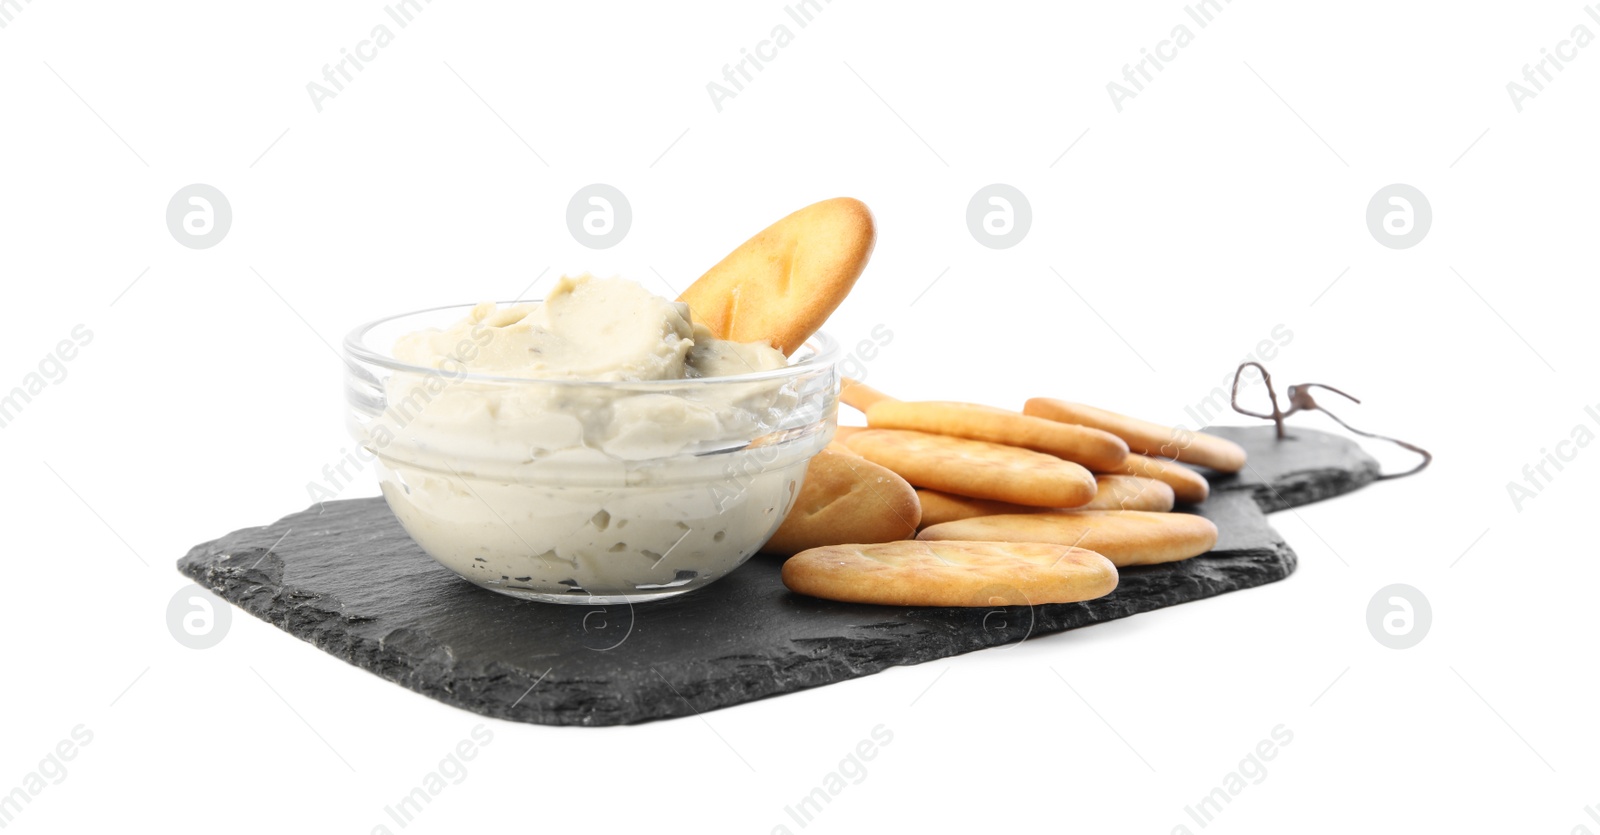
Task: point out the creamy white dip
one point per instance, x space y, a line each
554 456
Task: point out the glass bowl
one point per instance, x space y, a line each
585 492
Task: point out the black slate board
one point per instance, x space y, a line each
346 578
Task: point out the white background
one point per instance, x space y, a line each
1219 203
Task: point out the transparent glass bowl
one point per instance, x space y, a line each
586 492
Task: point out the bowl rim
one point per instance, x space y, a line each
825 353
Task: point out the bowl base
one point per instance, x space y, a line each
588 599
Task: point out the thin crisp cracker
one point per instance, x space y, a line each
913 573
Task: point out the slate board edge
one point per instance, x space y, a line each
482 695
248 588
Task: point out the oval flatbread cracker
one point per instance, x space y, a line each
858 395
1146 437
843 433
846 498
939 507
977 468
781 285
1113 492
1131 492
1097 450
1126 537
913 573
1188 485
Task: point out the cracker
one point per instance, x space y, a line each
1131 492
1126 537
977 468
939 507
1188 485
846 498
859 395
843 433
1112 492
1093 448
913 573
782 284
1146 437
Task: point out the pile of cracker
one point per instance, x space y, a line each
945 503
940 503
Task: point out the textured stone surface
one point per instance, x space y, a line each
1307 466
347 579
